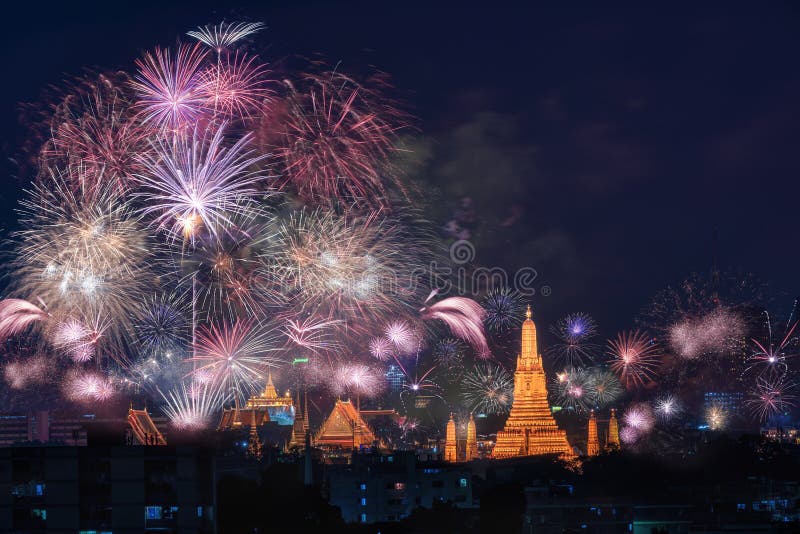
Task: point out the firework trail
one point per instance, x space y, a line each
488 388
574 333
464 317
222 36
16 315
635 358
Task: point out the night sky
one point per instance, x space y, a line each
600 147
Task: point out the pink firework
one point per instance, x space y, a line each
16 315
235 87
88 387
235 357
336 142
192 407
357 379
629 435
170 88
771 397
94 129
198 182
635 358
711 333
464 317
402 336
769 357
640 417
381 348
22 373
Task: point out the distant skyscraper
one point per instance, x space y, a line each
395 378
730 402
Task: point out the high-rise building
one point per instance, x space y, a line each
395 377
530 428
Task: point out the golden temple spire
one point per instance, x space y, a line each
530 428
592 443
472 440
450 454
613 431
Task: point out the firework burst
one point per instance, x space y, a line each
635 358
191 408
336 143
488 388
771 397
234 357
504 309
574 333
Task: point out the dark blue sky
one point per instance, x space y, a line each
600 146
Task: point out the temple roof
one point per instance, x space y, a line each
344 428
144 429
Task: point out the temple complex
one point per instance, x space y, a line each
530 428
260 409
344 429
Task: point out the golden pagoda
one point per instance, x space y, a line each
592 442
530 428
613 431
472 440
256 411
450 443
344 428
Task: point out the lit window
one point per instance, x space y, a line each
363 501
39 489
463 482
399 486
741 506
363 487
152 512
199 511
363 518
39 513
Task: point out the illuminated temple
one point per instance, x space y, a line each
260 409
530 428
